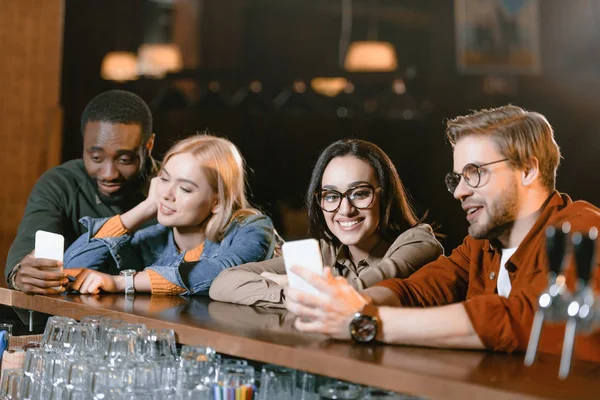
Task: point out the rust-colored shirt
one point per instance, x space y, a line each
470 273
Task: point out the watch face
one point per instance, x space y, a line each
363 328
128 272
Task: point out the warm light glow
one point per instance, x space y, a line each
398 86
119 66
371 56
156 60
329 87
299 86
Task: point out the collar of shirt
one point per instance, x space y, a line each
343 261
555 202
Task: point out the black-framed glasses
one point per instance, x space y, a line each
359 197
471 173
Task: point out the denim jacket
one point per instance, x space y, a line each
246 240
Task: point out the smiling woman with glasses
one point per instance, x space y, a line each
359 211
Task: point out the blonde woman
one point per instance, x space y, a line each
205 225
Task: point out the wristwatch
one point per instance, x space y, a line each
365 325
128 274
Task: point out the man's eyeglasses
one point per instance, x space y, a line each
359 197
471 173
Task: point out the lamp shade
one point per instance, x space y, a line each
119 66
157 59
329 87
370 56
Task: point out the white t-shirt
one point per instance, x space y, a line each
503 283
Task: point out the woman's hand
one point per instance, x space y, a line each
153 197
89 281
281 280
144 211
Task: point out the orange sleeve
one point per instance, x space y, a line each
161 285
443 281
112 228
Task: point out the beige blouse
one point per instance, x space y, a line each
410 251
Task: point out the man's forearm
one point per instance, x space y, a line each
381 296
447 326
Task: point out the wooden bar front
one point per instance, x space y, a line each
267 335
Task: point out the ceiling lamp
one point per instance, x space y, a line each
329 87
156 60
371 56
119 66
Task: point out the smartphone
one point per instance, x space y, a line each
49 245
302 253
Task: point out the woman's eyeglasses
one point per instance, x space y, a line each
359 197
471 173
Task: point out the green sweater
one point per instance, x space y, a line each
62 196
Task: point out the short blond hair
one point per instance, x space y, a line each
224 167
519 135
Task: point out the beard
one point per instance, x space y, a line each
501 215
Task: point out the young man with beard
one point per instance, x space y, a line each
483 295
112 178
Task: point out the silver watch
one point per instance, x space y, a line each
128 274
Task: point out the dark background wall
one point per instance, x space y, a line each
279 41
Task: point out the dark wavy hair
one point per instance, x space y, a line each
120 107
397 214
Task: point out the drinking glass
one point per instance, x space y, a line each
108 381
233 376
277 383
158 344
198 367
6 327
305 386
10 384
79 339
340 390
56 330
372 393
121 346
142 379
233 361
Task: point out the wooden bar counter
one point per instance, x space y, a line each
267 335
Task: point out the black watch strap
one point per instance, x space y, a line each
365 325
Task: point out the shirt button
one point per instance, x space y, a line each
118 257
273 296
492 275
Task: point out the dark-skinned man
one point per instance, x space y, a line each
111 178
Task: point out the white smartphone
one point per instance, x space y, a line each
302 253
49 245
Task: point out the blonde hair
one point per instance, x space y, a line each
519 134
224 167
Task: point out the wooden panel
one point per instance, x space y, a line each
30 129
267 335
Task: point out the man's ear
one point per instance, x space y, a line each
531 172
150 144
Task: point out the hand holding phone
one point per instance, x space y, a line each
50 246
302 253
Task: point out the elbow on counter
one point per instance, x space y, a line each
222 288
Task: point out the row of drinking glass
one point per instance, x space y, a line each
100 358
